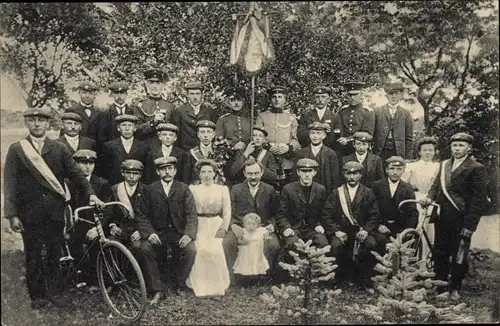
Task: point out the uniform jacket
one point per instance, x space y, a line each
184 168
107 126
265 204
294 212
185 119
311 116
374 169
83 143
155 206
27 194
356 118
467 187
403 131
90 125
234 126
237 164
145 111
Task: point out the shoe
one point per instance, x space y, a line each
454 295
93 289
156 297
58 301
39 303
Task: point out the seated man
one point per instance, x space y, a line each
252 196
167 218
351 218
389 193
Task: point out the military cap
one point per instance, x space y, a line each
126 117
167 127
71 116
353 87
316 126
206 124
237 92
277 90
392 87
165 161
322 90
85 155
353 166
117 87
396 161
194 85
362 136
462 136
88 86
261 129
306 164
132 165
38 112
154 74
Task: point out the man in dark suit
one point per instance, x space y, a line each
328 172
390 192
393 126
72 125
206 134
90 115
301 203
167 218
321 113
186 116
460 189
252 196
107 127
167 136
373 167
351 219
237 164
125 147
35 199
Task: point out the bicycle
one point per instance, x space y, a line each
119 276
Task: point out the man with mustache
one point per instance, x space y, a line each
72 125
90 115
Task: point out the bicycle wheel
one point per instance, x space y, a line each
121 281
410 234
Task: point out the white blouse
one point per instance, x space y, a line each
421 174
213 199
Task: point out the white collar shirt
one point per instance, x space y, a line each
361 158
393 186
88 177
196 109
315 149
321 112
457 162
130 189
166 186
127 143
73 141
120 108
253 190
38 142
352 191
166 150
205 150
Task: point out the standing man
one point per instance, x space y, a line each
153 110
393 126
206 134
460 189
354 117
35 200
187 116
321 113
72 125
90 115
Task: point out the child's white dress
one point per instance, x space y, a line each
251 259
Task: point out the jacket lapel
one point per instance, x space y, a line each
173 189
386 113
119 147
370 162
248 195
397 115
465 164
299 192
314 190
357 197
47 147
134 148
159 188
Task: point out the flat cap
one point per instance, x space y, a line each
353 166
206 124
155 74
203 162
126 117
322 90
316 126
87 86
277 90
353 87
117 87
396 161
261 129
165 161
85 155
194 85
134 165
362 136
39 112
167 127
306 164
71 116
394 87
236 92
462 136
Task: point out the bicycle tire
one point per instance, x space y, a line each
109 273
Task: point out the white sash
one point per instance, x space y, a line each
42 167
343 204
261 155
196 153
124 199
443 184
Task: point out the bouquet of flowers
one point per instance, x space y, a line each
222 152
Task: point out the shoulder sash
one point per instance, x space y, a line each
345 206
123 198
443 183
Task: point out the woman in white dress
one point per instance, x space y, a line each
421 175
209 275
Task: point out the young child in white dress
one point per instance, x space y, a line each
251 259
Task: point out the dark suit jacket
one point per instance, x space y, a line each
467 187
184 118
294 212
107 127
237 164
388 205
84 143
113 154
27 194
154 207
364 210
89 125
265 204
184 168
374 169
403 131
311 116
119 215
328 173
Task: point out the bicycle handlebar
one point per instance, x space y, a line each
86 208
407 201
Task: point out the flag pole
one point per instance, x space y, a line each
252 108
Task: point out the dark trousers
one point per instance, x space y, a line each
318 240
42 274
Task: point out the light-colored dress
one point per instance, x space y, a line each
422 175
209 275
251 259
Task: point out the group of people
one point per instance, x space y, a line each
335 178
